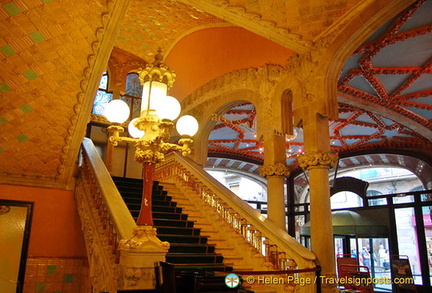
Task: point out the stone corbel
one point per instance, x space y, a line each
317 160
278 169
138 256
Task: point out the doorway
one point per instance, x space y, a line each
371 252
15 223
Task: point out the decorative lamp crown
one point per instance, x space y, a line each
157 78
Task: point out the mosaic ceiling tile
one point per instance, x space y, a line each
12 9
4 88
37 37
3 120
26 108
22 138
30 74
7 50
1 149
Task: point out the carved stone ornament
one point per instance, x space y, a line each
144 239
314 160
138 256
278 169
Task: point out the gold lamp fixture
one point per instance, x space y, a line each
151 130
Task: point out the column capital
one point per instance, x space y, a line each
317 160
278 169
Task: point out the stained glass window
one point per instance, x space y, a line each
102 96
103 84
133 85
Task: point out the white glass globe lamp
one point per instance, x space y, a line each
133 130
187 125
168 107
117 111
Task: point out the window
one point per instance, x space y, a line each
102 96
133 93
375 201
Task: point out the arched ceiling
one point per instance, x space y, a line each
385 101
53 52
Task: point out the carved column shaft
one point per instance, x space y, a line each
318 159
275 175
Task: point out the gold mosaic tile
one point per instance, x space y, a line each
56 275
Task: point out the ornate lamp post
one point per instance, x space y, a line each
151 131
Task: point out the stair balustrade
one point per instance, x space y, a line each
281 251
111 235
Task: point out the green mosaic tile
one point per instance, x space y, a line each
3 120
138 37
40 287
2 149
7 50
37 37
12 9
22 138
4 88
47 1
68 278
30 74
51 270
26 108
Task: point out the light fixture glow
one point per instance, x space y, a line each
187 125
117 111
152 92
133 130
168 107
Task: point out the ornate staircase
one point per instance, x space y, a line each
223 231
189 250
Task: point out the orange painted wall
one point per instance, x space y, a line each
210 53
56 226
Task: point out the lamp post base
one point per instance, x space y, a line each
145 216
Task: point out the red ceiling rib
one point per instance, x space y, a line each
367 79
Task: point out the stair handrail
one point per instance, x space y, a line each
119 214
281 248
105 219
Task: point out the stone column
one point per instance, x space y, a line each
317 160
275 175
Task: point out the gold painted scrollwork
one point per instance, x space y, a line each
143 238
314 160
279 169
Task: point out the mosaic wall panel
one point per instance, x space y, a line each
57 275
